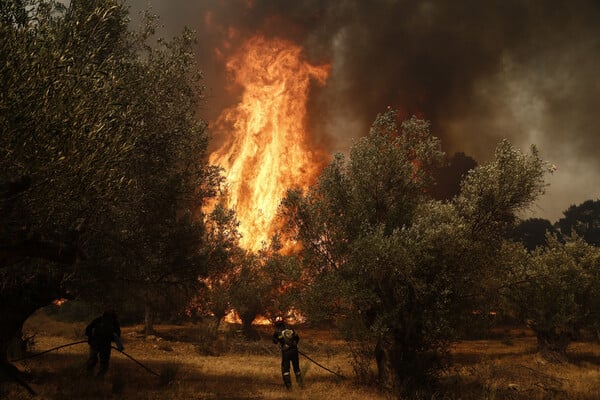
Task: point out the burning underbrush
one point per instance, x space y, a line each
191 361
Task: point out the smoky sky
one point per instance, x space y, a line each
478 70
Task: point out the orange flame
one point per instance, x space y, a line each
266 150
59 302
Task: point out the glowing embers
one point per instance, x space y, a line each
265 148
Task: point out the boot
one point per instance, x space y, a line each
299 379
287 380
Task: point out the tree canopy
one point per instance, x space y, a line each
532 232
582 219
400 268
555 290
102 158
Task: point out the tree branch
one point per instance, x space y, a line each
59 252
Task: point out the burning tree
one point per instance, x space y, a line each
264 284
223 254
400 269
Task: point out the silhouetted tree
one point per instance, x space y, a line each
532 232
223 253
582 219
250 291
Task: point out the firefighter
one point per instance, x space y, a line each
288 339
101 332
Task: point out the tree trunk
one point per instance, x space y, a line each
401 366
10 372
36 247
149 315
217 321
17 346
247 328
384 358
18 301
553 345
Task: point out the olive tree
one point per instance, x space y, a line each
223 253
263 284
249 292
102 167
532 232
399 269
582 219
170 180
555 291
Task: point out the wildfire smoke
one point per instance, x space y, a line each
480 71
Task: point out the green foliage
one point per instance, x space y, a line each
286 284
105 127
582 219
59 110
402 270
250 289
532 232
222 252
264 284
491 194
555 290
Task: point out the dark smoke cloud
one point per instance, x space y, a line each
479 70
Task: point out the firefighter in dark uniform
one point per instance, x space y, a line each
288 339
101 332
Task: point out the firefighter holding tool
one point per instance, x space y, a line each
101 332
288 339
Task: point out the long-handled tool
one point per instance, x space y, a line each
80 342
325 368
136 361
48 351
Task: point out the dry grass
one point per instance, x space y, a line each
507 368
510 368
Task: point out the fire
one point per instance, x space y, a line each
233 318
266 150
59 302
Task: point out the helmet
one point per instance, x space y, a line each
109 312
279 320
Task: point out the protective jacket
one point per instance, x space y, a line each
286 337
103 330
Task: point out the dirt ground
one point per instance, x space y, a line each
186 366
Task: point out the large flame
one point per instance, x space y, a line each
265 150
